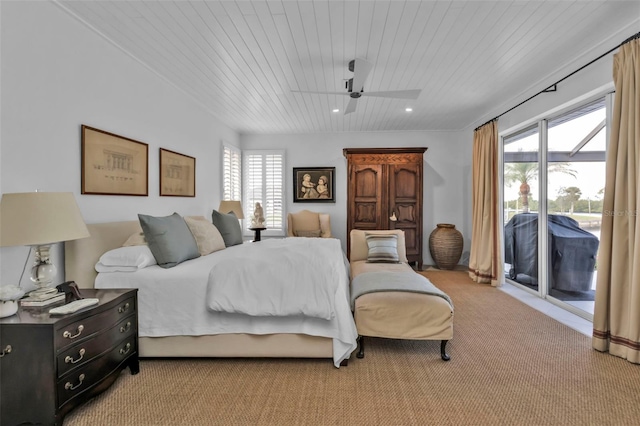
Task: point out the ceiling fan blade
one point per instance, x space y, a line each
351 106
361 70
320 93
398 94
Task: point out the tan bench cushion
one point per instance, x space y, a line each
404 315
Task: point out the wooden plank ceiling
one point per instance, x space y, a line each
472 59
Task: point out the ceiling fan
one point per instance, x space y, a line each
355 86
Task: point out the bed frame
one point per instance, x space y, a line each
81 257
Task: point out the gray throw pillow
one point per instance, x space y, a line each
382 248
228 226
169 239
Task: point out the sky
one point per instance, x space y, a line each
590 177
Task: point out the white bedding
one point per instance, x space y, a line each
296 276
171 302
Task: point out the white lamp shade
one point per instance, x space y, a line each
227 206
36 218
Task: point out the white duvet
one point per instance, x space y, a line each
172 302
295 276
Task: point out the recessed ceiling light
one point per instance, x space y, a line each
336 110
408 109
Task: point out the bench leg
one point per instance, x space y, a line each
360 353
443 351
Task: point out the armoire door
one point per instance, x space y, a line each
366 188
405 201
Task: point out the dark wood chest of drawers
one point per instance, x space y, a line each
51 364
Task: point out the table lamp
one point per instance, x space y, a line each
227 206
40 219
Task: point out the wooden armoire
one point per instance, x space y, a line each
386 184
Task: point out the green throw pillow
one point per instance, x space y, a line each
169 239
228 226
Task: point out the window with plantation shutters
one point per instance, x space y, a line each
264 184
231 173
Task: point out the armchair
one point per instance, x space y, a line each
308 224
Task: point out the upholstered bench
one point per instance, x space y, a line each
390 300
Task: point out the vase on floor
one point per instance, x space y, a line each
445 245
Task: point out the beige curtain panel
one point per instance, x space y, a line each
616 319
485 260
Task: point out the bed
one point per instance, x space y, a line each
174 321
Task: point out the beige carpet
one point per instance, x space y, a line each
511 365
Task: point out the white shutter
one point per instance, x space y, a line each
231 173
264 184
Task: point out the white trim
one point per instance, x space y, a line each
237 151
543 217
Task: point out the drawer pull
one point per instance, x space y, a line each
68 334
126 327
124 308
69 359
126 349
69 386
6 351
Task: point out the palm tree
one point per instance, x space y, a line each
571 194
527 172
522 173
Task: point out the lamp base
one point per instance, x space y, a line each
42 272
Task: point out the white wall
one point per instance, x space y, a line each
593 80
447 181
56 75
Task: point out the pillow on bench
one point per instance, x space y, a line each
359 249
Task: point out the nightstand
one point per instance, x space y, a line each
51 364
257 233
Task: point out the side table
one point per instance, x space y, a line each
257 233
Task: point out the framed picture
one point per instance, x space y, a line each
177 174
314 184
113 165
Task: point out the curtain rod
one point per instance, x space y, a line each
553 87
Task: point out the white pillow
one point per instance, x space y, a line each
126 259
103 268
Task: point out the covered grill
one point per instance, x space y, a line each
572 251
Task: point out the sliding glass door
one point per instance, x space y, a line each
553 205
521 188
576 149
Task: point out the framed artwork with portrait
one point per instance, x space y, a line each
314 184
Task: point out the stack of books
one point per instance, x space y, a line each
42 300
